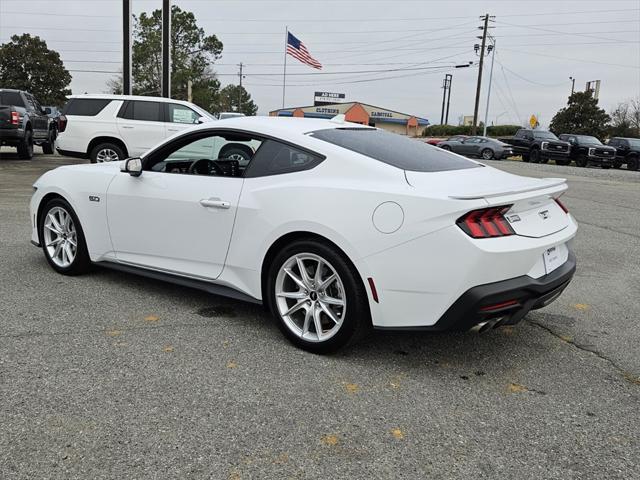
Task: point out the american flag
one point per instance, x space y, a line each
296 49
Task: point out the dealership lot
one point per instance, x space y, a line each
113 375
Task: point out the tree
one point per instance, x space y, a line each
581 116
625 119
192 54
228 100
27 64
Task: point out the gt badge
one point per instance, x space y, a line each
544 214
513 218
93 198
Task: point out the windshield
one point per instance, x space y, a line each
394 149
588 139
544 135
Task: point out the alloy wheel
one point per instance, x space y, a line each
60 237
107 155
487 154
310 297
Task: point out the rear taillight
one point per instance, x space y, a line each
486 223
561 205
62 123
15 118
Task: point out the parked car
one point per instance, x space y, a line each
586 150
23 123
106 128
277 230
483 147
539 146
627 151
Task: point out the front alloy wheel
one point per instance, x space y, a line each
107 155
310 297
60 237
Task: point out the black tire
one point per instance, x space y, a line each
617 164
25 148
357 320
582 161
534 156
49 145
525 158
633 163
81 263
446 147
237 152
487 154
104 147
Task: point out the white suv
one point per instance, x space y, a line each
106 128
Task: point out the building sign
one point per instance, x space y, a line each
327 98
332 111
382 114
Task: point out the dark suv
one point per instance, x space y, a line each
586 150
627 151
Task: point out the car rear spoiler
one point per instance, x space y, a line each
543 184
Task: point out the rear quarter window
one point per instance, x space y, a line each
85 107
394 149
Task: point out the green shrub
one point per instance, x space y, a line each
450 130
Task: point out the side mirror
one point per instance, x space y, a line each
133 166
202 119
47 110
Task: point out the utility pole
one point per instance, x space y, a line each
486 110
573 84
240 89
485 28
444 97
166 48
126 47
446 115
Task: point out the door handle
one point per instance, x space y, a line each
215 203
173 129
127 126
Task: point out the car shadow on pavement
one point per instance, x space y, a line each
464 350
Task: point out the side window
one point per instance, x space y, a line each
182 114
147 111
274 158
85 107
520 134
30 102
220 154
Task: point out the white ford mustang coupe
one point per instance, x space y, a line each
334 226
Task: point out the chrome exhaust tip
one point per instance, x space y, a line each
482 327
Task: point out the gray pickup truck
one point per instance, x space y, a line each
23 123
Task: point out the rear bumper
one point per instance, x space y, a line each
509 300
69 153
11 136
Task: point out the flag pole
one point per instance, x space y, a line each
284 73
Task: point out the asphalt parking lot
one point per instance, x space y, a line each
110 375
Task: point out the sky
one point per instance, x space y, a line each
389 53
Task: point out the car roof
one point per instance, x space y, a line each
279 125
107 96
